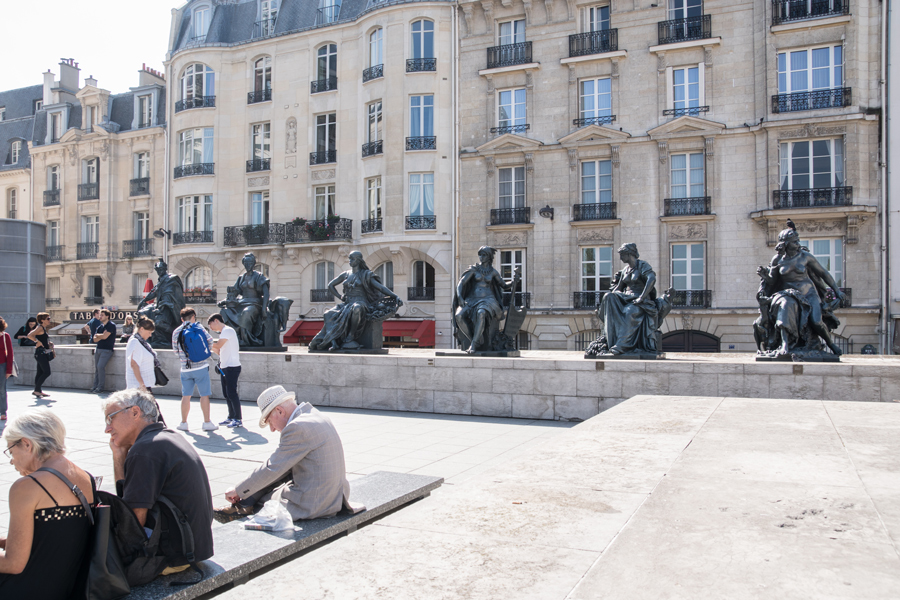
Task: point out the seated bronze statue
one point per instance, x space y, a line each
163 305
256 319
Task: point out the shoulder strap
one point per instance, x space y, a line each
75 490
45 490
187 539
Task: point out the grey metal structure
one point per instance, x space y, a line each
22 276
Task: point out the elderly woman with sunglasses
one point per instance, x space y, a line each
48 525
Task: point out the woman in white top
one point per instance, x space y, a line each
140 357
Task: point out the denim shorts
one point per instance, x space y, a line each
200 377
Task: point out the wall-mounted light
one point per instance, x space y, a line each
546 212
162 233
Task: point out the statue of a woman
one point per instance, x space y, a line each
365 299
478 304
794 309
245 308
163 305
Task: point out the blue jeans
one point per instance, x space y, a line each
101 357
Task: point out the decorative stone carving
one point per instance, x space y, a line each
109 277
510 239
399 261
548 8
294 255
529 162
488 8
104 150
708 56
73 155
415 311
687 231
258 181
323 175
570 5
344 250
836 226
614 64
573 158
573 78
829 130
277 255
489 161
490 85
614 150
526 4
316 252
468 10
290 136
687 322
709 145
604 234
76 278
290 162
661 61
529 80
663 149
853 223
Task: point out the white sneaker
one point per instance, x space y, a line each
183 427
210 426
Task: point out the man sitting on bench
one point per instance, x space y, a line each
306 472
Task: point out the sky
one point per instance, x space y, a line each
110 39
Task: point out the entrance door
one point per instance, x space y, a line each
689 341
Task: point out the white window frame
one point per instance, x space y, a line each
596 187
596 18
509 259
194 213
375 121
326 61
324 274
376 47
193 142
832 258
262 74
511 32
600 94
385 273
268 14
53 287
12 201
835 69
420 274
2 113
90 229
259 207
687 269
261 141
690 171
198 277
55 125
787 163
422 37
53 233
141 165
145 108
682 9
511 107
324 196
689 90
597 268
90 170
701 84
200 20
54 182
373 198
421 115
15 151
194 74
516 193
419 186
141 222
326 132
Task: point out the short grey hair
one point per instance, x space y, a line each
134 397
43 428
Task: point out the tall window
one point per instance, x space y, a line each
52 287
830 254
268 12
423 39
421 194
596 268
385 272
141 225
329 10
687 175
90 170
421 116
326 64
596 181
12 202
686 88
194 214
55 126
195 146
812 164
596 98
324 274
198 278
324 201
53 177
373 198
682 9
95 287
810 69
597 18
326 132
259 208
512 32
90 118
53 233
145 108
260 141
141 165
376 47
200 20
90 229
15 150
687 266
262 74
512 187
198 81
374 133
510 260
423 274
511 111
2 113
138 282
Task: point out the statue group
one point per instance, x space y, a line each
163 305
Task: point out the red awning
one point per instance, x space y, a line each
303 331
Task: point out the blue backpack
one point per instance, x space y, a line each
193 341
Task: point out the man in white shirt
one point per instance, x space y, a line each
229 367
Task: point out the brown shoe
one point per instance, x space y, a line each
226 514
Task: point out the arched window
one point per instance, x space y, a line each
385 272
262 75
423 39
197 82
689 341
262 268
423 282
376 47
198 279
326 65
324 274
12 201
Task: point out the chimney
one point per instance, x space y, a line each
148 76
89 80
49 82
68 74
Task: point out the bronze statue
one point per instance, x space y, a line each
630 313
163 306
247 308
355 323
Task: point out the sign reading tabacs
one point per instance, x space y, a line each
85 316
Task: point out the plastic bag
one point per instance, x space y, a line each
273 517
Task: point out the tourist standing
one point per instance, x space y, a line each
43 353
90 328
24 330
6 365
140 358
192 345
105 337
229 368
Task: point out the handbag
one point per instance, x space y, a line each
15 369
161 379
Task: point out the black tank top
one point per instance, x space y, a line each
43 338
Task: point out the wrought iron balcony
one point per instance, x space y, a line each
52 301
323 85
833 98
324 230
593 42
254 235
418 65
259 96
420 294
89 191
511 129
200 296
328 14
594 120
594 212
372 148
421 222
93 300
428 142
135 299
192 237
836 196
691 111
692 298
142 247
582 300
322 157
509 216
509 55
87 250
700 205
55 253
195 169
784 11
195 102
682 30
140 187
370 225
259 164
373 72
320 295
263 28
523 299
51 197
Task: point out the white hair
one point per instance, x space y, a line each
133 397
43 428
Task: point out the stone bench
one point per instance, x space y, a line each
240 552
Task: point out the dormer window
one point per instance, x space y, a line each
38 105
55 126
145 110
15 151
268 10
200 20
2 113
90 118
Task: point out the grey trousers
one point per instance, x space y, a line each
101 357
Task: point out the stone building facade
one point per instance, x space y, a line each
695 130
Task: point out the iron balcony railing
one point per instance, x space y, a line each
508 216
593 42
420 294
51 197
11 214
523 299
200 297
140 187
421 222
93 300
511 129
263 28
427 142
195 169
582 300
370 225
682 30
836 196
594 212
509 55
373 72
87 250
55 253
133 248
323 85
690 111
322 157
701 205
691 298
192 237
323 230
602 120
259 96
52 301
195 102
328 14
88 191
320 295
254 235
136 299
418 65
833 98
372 148
784 11
259 164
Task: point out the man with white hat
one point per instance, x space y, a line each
306 472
